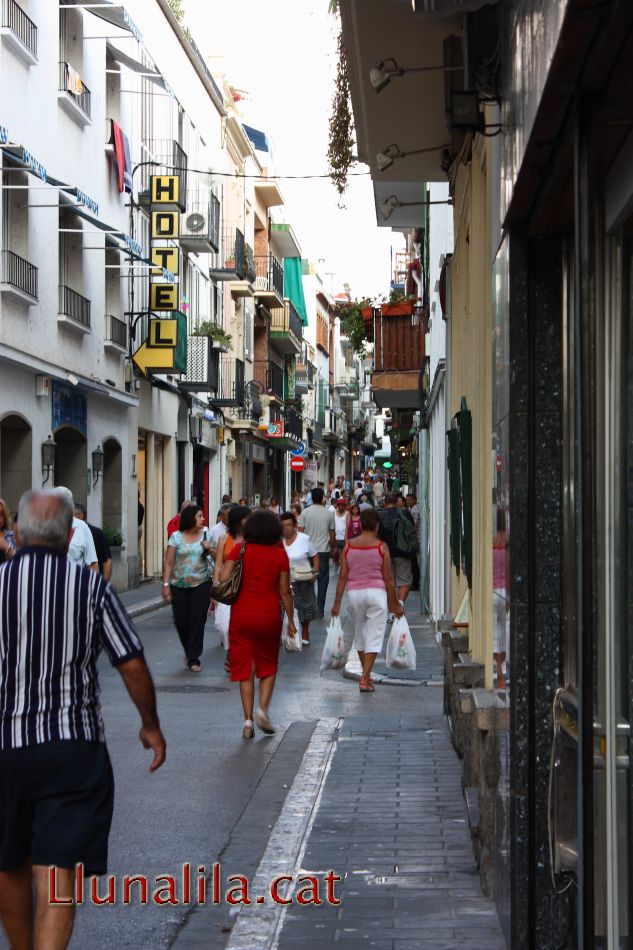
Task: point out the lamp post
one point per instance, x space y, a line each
97 463
48 457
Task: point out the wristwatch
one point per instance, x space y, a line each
165 583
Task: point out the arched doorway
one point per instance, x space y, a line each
71 462
16 455
112 488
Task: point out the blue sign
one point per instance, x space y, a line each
300 450
69 407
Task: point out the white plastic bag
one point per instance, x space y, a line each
222 616
292 644
334 655
400 650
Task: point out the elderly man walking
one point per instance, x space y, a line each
56 785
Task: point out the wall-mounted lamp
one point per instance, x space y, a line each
97 464
48 457
133 472
381 74
385 158
390 204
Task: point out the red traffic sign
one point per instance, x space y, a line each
297 464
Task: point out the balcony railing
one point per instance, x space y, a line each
230 389
73 84
398 344
19 273
286 329
74 306
116 331
293 424
171 159
270 377
269 275
15 19
230 263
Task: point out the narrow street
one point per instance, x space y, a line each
377 799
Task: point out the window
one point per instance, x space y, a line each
248 332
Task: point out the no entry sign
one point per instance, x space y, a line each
297 464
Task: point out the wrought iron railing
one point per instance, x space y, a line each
293 424
230 389
14 17
215 222
19 273
170 158
294 320
270 377
269 274
74 306
116 331
71 82
231 257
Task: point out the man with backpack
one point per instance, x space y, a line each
397 530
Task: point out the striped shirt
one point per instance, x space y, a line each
55 617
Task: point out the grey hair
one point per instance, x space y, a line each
45 517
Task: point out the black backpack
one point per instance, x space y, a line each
405 538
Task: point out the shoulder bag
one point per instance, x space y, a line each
226 592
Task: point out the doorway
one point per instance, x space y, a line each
112 488
71 462
16 447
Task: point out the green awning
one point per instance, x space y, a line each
293 286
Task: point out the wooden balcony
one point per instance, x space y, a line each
398 361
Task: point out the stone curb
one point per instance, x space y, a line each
352 671
145 608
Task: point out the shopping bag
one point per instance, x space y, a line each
400 650
292 644
334 656
222 615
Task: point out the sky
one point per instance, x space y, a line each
283 55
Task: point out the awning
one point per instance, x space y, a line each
134 64
259 139
293 286
114 13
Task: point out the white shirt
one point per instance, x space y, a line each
299 552
81 549
217 531
340 529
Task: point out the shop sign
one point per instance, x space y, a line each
275 430
89 203
310 475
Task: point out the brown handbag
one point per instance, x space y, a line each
226 592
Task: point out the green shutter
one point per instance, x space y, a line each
180 356
455 494
465 422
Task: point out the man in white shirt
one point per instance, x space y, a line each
220 529
319 524
82 547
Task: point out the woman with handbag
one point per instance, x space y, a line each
226 544
255 628
304 570
186 582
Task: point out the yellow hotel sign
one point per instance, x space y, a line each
163 333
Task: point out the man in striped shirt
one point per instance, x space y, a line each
56 786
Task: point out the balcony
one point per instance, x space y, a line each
19 278
244 286
270 377
230 262
304 376
286 329
170 160
293 424
398 361
116 336
269 280
19 32
230 388
74 96
200 226
355 417
203 366
323 334
334 427
74 310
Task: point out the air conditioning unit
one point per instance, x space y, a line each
230 450
195 222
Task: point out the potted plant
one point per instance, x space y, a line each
215 332
357 323
115 538
397 305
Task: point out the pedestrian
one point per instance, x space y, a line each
304 570
243 503
366 573
7 537
81 548
186 583
414 510
233 536
499 594
101 543
226 500
354 527
398 531
296 509
319 524
400 502
219 528
255 629
275 507
341 520
174 524
56 784
363 503
379 491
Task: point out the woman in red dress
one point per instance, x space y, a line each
255 629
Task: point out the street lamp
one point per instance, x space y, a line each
381 74
385 158
97 463
48 457
392 202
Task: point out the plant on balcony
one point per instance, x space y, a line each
397 305
115 538
340 154
217 334
354 325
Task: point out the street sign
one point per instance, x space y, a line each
297 464
163 333
300 450
154 359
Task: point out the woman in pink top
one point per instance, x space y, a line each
366 572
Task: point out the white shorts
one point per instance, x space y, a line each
368 612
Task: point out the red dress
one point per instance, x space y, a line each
255 628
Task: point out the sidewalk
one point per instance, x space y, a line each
378 801
142 599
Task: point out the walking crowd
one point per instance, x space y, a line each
254 570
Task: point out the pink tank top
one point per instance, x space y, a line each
365 568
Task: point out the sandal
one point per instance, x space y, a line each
194 666
366 686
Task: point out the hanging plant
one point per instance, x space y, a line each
340 151
355 325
